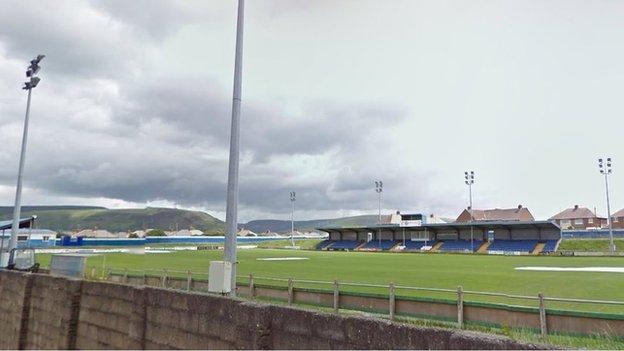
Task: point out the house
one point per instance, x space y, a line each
618 219
96 233
519 213
185 232
27 237
246 232
579 218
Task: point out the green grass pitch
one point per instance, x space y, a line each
472 272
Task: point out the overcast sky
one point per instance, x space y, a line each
134 104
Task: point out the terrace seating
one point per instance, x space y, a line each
324 244
551 246
460 245
513 245
417 245
375 245
344 245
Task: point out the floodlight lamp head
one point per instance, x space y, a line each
37 59
34 81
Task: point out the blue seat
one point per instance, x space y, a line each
417 245
551 246
376 245
323 244
513 245
344 245
460 245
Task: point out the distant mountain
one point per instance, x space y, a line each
281 226
90 217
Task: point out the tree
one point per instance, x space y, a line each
155 232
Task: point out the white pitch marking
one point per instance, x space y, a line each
574 269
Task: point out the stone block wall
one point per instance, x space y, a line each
15 291
45 312
53 309
111 316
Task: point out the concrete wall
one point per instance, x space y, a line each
40 311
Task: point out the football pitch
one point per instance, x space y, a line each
485 273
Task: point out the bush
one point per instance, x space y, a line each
155 232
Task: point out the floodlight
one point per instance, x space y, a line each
34 81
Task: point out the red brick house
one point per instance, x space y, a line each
579 218
519 213
618 219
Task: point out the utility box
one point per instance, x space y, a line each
68 265
220 277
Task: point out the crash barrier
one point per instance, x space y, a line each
456 306
40 311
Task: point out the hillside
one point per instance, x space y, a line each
89 217
281 226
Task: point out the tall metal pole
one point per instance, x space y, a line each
605 169
379 190
231 215
611 243
469 180
20 174
293 198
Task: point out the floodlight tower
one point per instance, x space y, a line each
379 190
231 212
605 170
32 71
293 198
469 179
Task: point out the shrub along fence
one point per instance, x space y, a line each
338 295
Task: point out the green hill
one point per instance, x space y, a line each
90 217
281 226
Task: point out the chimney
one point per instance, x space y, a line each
469 208
575 207
520 206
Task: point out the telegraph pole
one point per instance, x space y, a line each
231 213
30 85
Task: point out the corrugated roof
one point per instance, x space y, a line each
575 212
455 226
24 223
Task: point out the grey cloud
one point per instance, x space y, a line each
131 137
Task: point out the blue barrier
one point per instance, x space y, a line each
68 241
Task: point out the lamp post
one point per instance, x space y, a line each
469 179
293 198
32 71
379 190
231 213
605 170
